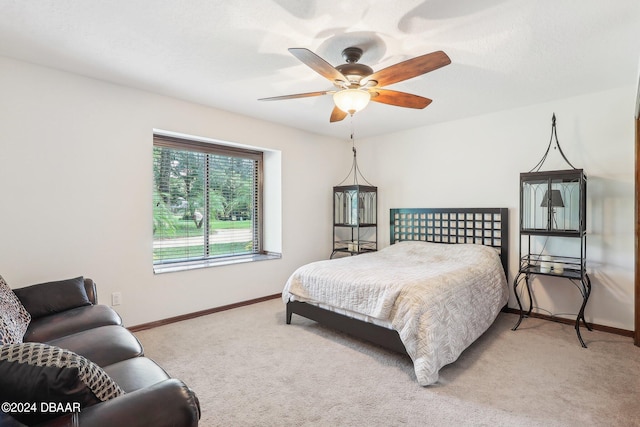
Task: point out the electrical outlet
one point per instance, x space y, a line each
116 298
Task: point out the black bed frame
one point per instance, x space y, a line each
484 226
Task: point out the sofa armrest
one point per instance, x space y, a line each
168 403
92 292
49 298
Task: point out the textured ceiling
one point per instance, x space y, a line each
227 54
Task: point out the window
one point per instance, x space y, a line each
206 203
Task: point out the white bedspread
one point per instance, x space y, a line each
439 297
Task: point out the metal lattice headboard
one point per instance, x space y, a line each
483 226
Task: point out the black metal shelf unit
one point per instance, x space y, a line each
355 219
553 206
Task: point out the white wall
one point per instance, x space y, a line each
76 180
476 162
76 185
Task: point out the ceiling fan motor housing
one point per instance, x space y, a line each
352 70
352 54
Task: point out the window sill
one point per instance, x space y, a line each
216 262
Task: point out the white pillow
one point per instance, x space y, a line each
14 318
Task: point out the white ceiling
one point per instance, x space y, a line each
227 54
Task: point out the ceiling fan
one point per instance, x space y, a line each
357 83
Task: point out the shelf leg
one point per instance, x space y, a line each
586 291
587 287
580 335
516 282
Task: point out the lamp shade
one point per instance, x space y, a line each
351 100
556 199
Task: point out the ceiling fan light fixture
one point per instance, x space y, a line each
351 100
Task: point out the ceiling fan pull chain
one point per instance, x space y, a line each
353 148
354 166
355 161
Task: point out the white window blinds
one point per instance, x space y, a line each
206 202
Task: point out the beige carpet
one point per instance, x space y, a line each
251 369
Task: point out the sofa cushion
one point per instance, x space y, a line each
137 373
69 322
53 297
14 318
36 373
104 345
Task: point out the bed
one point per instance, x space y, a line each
430 294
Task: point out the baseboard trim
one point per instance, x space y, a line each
595 326
193 315
167 321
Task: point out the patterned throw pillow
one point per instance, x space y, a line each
36 372
14 318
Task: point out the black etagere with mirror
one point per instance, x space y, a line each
553 237
355 219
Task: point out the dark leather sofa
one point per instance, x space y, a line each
65 314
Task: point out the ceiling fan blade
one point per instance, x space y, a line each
399 99
337 115
408 69
318 64
297 95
